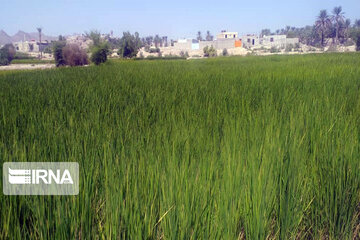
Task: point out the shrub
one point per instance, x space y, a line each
21 55
184 54
99 53
289 48
225 52
74 56
210 51
274 49
154 50
358 43
7 54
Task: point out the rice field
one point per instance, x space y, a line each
223 148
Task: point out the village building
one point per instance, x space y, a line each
30 46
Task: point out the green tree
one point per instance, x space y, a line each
99 53
7 54
95 36
265 32
58 54
209 51
130 45
322 24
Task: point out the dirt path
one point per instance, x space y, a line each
27 66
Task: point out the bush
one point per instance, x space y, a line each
74 56
7 54
274 50
225 52
184 54
210 51
358 43
58 54
154 50
99 53
21 55
289 48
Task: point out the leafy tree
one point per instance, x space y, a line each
338 19
58 54
210 51
265 32
73 55
61 38
322 24
130 45
7 54
95 36
101 46
99 53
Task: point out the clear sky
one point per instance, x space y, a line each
176 19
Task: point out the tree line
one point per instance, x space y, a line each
334 26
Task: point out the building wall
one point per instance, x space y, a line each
250 41
225 43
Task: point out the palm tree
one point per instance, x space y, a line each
39 29
199 36
322 24
208 36
338 19
347 26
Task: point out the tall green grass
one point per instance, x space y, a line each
255 148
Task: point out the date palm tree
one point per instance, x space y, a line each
39 29
199 37
322 24
347 25
338 19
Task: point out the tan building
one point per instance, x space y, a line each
30 46
225 34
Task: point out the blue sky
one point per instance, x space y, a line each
176 19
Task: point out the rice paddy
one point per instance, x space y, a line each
223 148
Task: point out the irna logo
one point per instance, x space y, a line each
35 176
41 178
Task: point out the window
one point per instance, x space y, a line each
234 36
271 39
249 40
225 35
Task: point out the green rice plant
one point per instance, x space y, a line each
222 148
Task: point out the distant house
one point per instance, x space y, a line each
250 41
226 35
280 41
30 46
